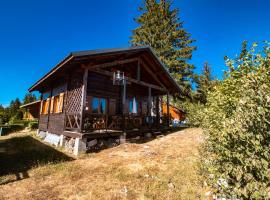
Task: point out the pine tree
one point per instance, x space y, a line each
28 98
205 83
14 109
161 28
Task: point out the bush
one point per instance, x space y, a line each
194 114
237 123
33 125
6 129
16 127
25 123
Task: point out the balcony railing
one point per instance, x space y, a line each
92 122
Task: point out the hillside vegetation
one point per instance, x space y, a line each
164 168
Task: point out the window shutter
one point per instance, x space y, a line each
52 104
61 103
47 106
41 106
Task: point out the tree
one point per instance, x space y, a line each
205 83
161 28
14 109
236 121
29 97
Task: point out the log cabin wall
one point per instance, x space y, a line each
53 122
43 121
43 118
102 86
56 121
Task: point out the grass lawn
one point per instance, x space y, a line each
164 168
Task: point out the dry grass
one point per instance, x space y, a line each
164 168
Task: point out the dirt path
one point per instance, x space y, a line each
164 168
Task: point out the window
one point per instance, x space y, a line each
99 105
57 103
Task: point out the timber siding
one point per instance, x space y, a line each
43 121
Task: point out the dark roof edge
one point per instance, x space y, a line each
165 69
58 66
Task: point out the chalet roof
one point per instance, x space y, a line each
77 55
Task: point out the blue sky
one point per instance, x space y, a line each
35 35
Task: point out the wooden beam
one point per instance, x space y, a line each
153 74
110 64
168 109
139 70
157 111
49 108
149 101
107 73
84 96
124 97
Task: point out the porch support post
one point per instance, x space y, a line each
84 96
149 101
66 99
157 111
124 103
168 109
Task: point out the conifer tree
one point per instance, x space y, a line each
205 83
29 97
161 28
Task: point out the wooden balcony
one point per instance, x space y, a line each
94 123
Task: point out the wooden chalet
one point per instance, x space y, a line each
105 92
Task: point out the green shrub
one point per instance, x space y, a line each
33 125
6 129
16 127
237 123
25 123
194 114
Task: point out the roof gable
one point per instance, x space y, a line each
155 68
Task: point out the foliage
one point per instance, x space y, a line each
29 97
205 83
194 113
13 112
160 28
237 122
33 125
6 129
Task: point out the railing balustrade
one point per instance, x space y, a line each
92 122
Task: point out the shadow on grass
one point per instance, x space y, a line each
132 138
20 154
155 135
